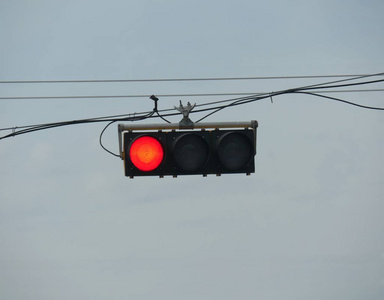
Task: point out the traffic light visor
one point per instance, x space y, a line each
146 153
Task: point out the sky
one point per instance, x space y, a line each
306 225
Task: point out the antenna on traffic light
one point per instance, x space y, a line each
182 149
185 122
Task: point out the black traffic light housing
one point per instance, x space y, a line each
189 152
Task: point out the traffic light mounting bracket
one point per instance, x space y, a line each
177 126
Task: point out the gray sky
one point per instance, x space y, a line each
307 225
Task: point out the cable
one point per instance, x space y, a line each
110 123
245 100
123 117
308 87
342 80
341 100
310 90
170 95
235 103
38 127
102 119
100 137
343 85
164 119
173 79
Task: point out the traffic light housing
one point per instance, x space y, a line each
171 151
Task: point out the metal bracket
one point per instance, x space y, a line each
186 122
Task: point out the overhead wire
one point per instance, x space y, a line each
102 119
37 127
319 85
331 84
341 100
167 95
213 107
178 79
113 121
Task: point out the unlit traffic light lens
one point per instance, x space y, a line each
190 152
234 150
146 153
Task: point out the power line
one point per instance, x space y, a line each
169 95
178 79
129 117
310 90
341 100
245 100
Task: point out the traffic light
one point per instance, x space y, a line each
173 151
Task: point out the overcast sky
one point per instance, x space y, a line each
307 225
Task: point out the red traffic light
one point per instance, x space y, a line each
171 152
146 153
